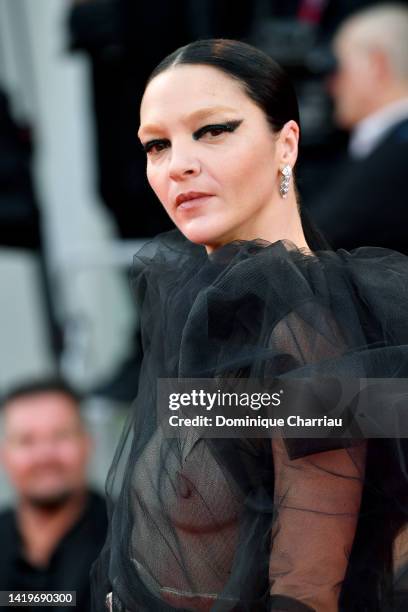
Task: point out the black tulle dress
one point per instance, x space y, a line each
259 524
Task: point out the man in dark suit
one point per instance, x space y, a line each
367 203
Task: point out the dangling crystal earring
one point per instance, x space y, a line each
285 180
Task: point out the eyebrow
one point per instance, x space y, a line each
201 113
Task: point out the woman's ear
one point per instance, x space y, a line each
287 144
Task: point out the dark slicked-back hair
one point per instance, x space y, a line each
264 81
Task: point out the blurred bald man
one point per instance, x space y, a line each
51 538
368 203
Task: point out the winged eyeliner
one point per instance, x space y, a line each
227 126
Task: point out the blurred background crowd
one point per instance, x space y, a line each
75 207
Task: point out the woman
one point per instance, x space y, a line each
246 289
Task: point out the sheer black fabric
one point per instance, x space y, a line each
259 524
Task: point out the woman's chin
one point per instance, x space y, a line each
206 234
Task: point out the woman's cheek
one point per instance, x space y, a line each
153 177
150 177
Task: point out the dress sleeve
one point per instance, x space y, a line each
317 500
317 494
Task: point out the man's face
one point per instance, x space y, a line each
351 86
45 448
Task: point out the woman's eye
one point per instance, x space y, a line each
155 146
217 129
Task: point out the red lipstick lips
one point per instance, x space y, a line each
188 196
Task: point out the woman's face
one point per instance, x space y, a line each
212 158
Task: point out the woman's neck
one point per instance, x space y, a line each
281 221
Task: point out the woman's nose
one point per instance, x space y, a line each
183 165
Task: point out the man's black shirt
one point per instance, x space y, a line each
69 566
